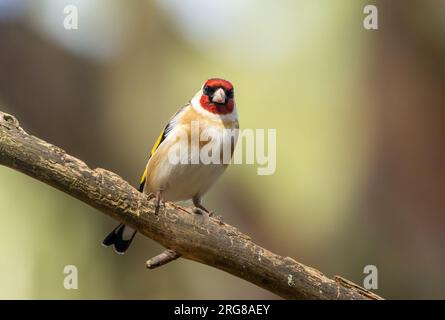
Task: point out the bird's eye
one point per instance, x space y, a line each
229 93
208 91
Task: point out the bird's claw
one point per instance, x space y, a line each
158 201
201 211
211 214
197 210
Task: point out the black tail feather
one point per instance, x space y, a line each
120 237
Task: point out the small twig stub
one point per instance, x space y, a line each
161 259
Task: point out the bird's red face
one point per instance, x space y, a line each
217 96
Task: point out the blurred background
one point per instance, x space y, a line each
359 115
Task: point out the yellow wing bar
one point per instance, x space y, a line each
155 147
158 142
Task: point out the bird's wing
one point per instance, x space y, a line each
168 128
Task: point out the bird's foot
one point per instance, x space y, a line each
158 202
197 210
211 214
202 210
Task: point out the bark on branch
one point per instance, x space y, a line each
195 237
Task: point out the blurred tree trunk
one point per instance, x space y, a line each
408 183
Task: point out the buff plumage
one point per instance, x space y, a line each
213 109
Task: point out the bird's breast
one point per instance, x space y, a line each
191 158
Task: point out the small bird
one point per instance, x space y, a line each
213 109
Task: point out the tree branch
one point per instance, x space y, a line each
195 237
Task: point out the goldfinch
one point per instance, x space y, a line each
213 109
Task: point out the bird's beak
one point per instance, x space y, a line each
219 96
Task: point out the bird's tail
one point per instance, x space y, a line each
120 237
